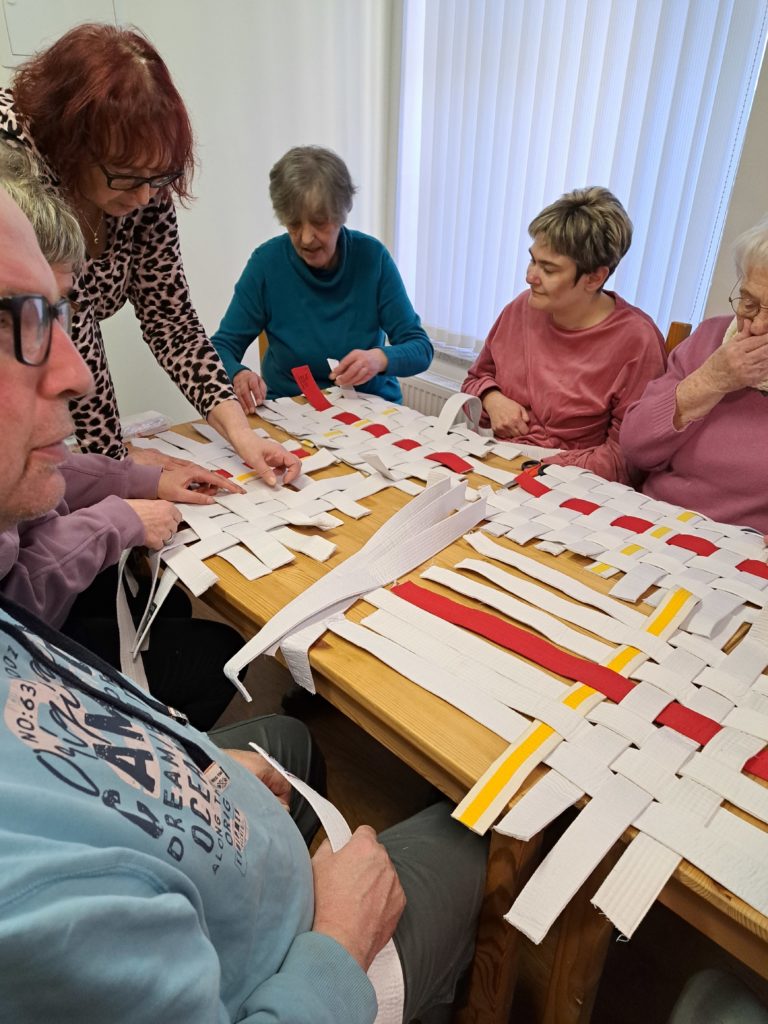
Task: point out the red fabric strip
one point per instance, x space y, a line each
224 473
580 505
377 429
346 417
688 723
755 567
633 523
406 444
531 483
301 452
542 652
698 545
451 461
611 684
308 387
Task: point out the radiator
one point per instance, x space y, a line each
427 394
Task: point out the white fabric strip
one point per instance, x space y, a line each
563 720
545 801
645 867
555 579
730 784
247 565
386 972
190 569
545 624
731 851
479 705
582 847
464 643
315 547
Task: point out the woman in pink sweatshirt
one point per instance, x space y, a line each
701 430
566 358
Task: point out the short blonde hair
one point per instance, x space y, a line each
310 180
55 225
589 225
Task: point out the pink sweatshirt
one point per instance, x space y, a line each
46 562
717 465
576 385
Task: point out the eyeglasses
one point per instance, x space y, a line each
28 319
128 182
744 304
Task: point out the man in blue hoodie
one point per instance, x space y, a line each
145 874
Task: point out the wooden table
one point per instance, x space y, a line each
452 751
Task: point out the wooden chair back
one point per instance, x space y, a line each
263 342
678 331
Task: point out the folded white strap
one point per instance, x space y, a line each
247 565
470 405
635 582
131 664
386 972
190 569
316 547
579 851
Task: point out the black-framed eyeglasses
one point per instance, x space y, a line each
129 182
744 304
28 320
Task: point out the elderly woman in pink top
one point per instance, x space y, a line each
701 430
566 358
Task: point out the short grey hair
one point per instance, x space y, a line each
55 225
589 225
751 248
310 181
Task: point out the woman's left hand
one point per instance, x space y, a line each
359 366
266 457
263 770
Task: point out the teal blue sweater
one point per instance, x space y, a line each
132 890
309 315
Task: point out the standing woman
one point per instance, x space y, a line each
99 110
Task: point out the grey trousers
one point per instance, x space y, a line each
714 997
441 866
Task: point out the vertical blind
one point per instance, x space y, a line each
506 104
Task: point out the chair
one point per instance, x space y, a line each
264 341
677 332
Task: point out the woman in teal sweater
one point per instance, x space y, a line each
320 291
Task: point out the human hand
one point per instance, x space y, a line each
266 457
250 390
740 363
194 485
152 457
263 770
160 520
508 418
359 366
358 896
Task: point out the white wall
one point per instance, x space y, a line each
749 200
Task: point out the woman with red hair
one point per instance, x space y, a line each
100 112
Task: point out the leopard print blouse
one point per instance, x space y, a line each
141 263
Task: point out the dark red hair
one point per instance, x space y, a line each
104 95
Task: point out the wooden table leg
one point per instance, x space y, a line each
582 946
497 950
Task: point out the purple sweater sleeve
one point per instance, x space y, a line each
60 554
649 438
89 478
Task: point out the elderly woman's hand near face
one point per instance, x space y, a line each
250 390
742 362
359 366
